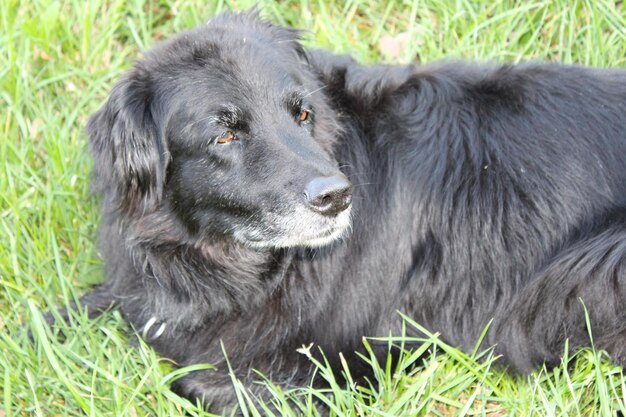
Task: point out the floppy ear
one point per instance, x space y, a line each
128 146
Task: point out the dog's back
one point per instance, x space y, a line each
503 190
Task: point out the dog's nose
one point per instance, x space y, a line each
329 195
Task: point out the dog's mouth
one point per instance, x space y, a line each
297 230
325 237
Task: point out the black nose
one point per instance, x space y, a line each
329 195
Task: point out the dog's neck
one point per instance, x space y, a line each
234 277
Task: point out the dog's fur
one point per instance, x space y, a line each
479 193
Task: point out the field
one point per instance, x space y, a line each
58 59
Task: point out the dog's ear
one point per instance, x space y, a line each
128 146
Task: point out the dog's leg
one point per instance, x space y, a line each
95 302
218 395
585 280
214 390
233 379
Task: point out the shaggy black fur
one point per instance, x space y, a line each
478 193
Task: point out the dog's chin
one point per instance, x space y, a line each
298 233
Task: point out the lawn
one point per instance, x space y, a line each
58 61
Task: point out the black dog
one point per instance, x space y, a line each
266 197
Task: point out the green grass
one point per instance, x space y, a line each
57 62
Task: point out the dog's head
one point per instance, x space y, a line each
226 128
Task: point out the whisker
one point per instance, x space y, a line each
314 91
198 121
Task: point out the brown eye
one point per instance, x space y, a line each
225 137
304 116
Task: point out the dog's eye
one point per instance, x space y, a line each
225 137
304 116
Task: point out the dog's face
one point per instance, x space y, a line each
229 131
